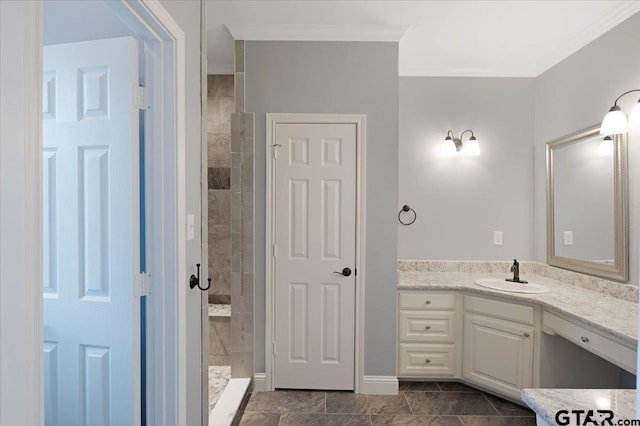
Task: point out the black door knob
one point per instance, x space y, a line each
345 272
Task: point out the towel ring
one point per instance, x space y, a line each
405 209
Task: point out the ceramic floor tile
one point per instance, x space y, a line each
508 408
497 421
287 401
449 403
412 420
456 387
419 386
295 419
260 419
346 402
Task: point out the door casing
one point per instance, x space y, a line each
360 121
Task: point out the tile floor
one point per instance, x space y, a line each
417 404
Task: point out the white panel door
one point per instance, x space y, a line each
91 226
315 186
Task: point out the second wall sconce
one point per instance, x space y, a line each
615 122
453 145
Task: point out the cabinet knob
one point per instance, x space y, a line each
526 334
428 302
428 327
584 339
427 361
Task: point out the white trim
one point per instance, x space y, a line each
360 121
259 382
227 407
220 69
298 32
380 385
21 331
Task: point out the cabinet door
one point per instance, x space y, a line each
498 354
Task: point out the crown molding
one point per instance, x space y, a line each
220 69
617 15
295 32
418 71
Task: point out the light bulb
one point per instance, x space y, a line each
471 148
634 118
614 122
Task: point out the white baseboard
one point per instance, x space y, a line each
379 385
259 382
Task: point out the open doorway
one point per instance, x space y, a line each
114 295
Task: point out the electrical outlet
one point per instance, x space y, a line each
568 238
497 238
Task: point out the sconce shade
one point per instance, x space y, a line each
471 147
634 118
606 147
614 122
448 147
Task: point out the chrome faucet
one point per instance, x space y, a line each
515 268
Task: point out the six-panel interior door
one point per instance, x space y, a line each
315 186
91 242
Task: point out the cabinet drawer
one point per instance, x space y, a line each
426 300
427 326
498 309
427 360
591 341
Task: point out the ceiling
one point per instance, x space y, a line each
509 38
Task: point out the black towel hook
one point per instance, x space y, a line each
194 281
406 209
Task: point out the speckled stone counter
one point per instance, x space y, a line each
612 315
547 402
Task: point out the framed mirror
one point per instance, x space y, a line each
587 204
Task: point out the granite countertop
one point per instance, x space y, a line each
614 316
547 402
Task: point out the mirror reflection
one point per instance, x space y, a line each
584 200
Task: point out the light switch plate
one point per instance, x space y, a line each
568 238
191 227
497 238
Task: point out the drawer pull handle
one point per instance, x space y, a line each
427 361
428 327
428 302
584 339
526 334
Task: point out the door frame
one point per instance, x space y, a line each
360 121
21 345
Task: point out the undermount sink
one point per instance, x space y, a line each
502 285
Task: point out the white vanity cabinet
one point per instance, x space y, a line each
498 345
428 325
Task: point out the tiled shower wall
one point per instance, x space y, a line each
242 229
221 104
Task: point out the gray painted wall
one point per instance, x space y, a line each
187 16
574 95
327 77
461 201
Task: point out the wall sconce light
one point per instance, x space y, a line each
453 145
606 147
615 121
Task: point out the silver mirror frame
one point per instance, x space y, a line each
619 270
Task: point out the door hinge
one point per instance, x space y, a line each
275 250
274 150
274 348
138 98
143 284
